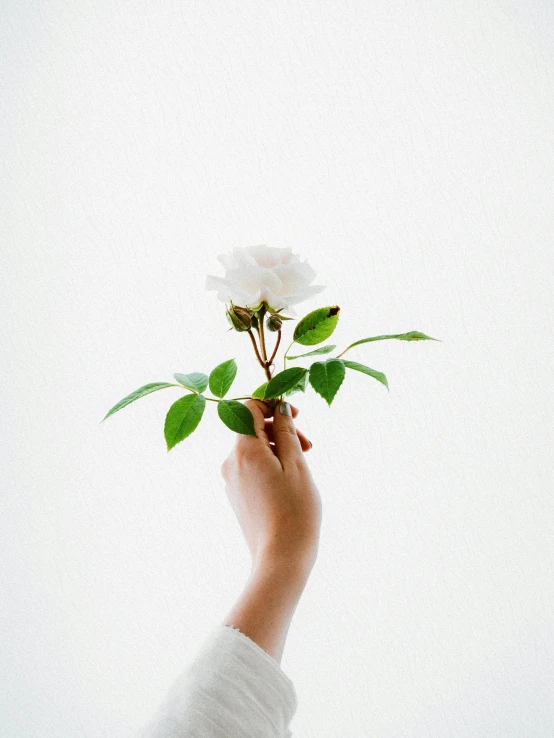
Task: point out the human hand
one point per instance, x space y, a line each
271 490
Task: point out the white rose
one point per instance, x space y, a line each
256 274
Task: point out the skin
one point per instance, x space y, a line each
278 506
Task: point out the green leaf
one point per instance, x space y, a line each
284 381
236 416
260 392
141 392
317 326
182 418
222 377
411 336
379 376
415 336
322 350
197 382
299 387
326 377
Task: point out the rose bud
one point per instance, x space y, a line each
240 318
274 322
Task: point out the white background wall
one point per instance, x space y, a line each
405 150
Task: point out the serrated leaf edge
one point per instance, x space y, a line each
341 382
196 397
226 402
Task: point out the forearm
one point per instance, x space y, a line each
266 605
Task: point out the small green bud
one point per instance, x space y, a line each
240 318
274 322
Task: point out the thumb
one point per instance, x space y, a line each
287 443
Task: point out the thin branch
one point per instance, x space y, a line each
276 348
260 328
255 347
261 334
342 352
285 356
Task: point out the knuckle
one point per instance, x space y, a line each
287 429
243 456
298 463
227 466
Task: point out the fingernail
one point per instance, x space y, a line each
284 409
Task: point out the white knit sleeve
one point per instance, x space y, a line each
232 689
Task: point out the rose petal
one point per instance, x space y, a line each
291 258
242 258
267 256
229 290
295 276
305 293
275 302
242 298
226 260
252 278
261 273
215 283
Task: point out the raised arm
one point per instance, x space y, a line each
235 687
278 506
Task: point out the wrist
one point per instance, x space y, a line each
267 603
295 566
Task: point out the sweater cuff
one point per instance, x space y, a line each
264 677
257 657
231 689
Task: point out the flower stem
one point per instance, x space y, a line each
285 356
276 348
255 347
265 363
261 332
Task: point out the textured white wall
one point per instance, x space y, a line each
405 149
